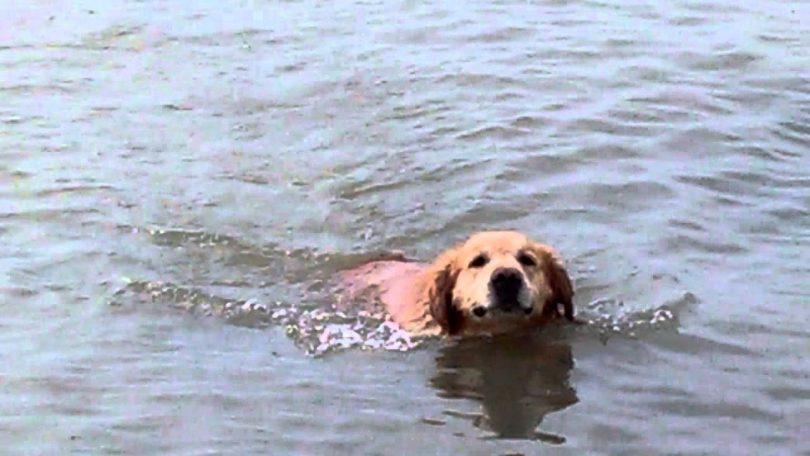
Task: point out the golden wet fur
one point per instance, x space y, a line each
460 293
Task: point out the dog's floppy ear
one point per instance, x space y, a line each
439 294
558 280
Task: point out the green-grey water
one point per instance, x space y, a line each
179 182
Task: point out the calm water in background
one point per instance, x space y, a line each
237 151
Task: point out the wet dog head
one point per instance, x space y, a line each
497 282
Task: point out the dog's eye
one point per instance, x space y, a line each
526 260
479 261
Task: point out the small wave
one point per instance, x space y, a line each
318 330
608 317
493 132
321 328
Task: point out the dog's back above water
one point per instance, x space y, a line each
494 282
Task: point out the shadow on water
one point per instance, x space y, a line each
518 380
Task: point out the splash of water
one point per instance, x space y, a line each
313 320
609 317
319 330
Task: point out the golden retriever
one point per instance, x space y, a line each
494 282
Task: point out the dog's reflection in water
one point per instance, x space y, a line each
517 379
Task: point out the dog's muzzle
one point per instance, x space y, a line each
506 285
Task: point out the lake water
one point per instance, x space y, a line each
163 161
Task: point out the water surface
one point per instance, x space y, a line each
160 162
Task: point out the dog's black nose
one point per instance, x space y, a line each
507 282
